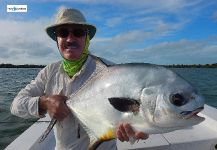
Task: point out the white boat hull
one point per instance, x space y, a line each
199 137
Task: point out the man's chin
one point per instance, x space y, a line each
71 56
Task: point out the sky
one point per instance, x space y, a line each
151 31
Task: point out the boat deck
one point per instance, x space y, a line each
199 137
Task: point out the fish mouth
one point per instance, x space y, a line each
192 114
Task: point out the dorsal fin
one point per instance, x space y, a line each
102 60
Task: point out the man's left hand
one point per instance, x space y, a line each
125 131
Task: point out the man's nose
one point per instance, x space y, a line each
70 36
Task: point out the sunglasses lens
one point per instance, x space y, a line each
62 33
79 32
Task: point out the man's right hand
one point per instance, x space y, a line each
55 105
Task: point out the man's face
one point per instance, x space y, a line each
71 41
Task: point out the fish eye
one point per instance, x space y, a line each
177 99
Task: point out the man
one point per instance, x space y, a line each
57 81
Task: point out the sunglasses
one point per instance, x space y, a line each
64 32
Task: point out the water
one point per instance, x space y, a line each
12 80
204 79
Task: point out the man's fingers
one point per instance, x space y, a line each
120 136
123 132
141 135
129 131
65 98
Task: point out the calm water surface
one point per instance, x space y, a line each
204 79
13 80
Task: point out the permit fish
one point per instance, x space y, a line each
151 98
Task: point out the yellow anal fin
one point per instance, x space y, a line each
105 137
108 135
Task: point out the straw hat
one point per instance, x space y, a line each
70 16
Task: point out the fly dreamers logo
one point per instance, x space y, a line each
16 8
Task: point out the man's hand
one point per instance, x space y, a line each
125 131
55 105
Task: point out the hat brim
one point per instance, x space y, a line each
51 29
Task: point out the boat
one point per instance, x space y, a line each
199 137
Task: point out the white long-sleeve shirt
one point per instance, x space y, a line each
53 80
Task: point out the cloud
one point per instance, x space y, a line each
118 43
214 16
112 22
134 38
183 51
179 52
4 53
129 12
26 39
148 5
125 31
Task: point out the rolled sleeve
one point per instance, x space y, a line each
25 104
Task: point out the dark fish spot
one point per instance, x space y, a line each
125 104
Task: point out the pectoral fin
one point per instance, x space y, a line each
125 104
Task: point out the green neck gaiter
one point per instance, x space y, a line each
71 67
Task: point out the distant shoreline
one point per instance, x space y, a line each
21 66
192 66
169 66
